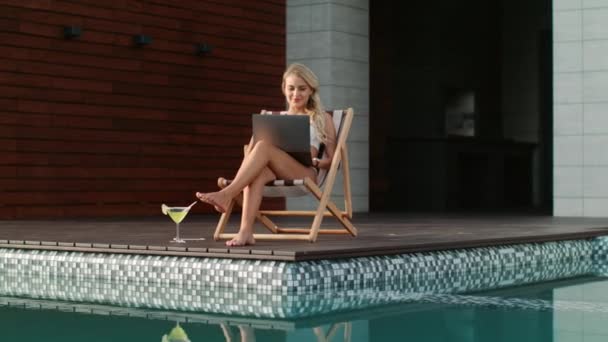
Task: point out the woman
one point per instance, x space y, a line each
264 162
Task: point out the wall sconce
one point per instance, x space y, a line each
142 40
204 48
71 32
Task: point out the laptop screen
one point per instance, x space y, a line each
291 133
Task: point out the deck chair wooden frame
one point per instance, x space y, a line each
320 333
325 208
328 336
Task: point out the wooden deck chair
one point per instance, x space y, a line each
328 336
342 120
319 332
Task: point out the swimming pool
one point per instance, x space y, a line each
478 294
575 309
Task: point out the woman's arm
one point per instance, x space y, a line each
330 145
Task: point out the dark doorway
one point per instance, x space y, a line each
461 106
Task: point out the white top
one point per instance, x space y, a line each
314 137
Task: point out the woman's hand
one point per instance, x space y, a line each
321 163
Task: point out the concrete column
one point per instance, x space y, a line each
580 107
332 38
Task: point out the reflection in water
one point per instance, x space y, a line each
247 333
531 313
177 334
333 330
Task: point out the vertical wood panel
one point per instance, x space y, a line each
96 126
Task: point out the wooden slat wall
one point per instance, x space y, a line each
95 126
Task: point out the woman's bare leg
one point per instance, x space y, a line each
227 332
247 333
252 198
262 155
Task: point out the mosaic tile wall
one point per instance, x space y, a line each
282 289
600 256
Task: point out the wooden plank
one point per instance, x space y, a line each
103 128
379 235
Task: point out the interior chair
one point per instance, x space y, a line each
342 120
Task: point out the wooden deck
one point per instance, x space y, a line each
380 234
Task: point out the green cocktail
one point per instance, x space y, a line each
177 334
177 214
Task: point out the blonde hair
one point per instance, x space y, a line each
314 108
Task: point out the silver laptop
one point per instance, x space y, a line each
291 133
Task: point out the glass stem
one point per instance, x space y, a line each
177 231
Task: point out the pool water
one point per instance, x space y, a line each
574 309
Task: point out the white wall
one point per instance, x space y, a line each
580 35
332 38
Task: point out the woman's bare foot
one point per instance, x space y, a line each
200 195
217 199
241 239
222 182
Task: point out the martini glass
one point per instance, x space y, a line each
177 214
177 334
